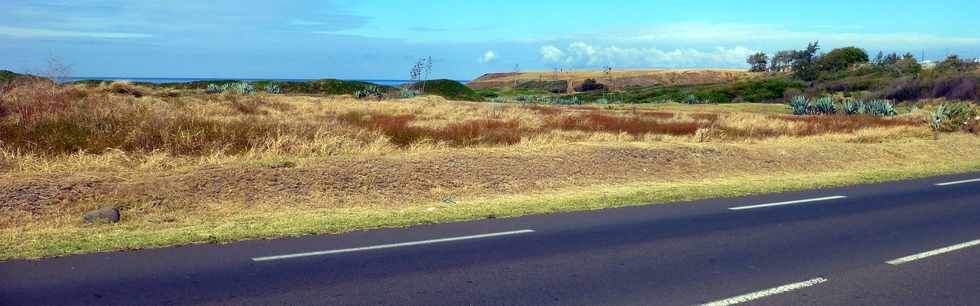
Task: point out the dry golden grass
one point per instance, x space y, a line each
620 78
201 168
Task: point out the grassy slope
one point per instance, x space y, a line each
228 222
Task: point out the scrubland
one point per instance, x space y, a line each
195 168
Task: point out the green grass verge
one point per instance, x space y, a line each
32 243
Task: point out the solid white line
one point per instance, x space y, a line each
789 203
959 182
765 293
953 248
388 246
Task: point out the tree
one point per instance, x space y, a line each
841 58
803 62
759 62
781 61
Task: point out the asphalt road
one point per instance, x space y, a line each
902 243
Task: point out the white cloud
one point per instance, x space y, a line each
488 57
781 36
552 54
41 33
580 54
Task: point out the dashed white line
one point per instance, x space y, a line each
388 246
959 182
923 255
789 203
768 292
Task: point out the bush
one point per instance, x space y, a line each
590 85
449 89
125 88
841 59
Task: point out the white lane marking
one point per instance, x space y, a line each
789 203
959 182
765 293
388 246
952 248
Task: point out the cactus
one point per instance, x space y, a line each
881 108
801 106
853 107
372 92
937 118
273 89
214 89
692 99
241 87
825 106
406 93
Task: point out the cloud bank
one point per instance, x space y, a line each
581 55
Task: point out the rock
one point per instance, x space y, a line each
283 165
102 215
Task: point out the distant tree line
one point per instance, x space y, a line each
808 64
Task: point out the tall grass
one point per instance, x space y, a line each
45 119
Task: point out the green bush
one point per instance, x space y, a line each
448 89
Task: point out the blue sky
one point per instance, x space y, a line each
380 39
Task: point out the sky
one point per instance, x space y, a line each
381 39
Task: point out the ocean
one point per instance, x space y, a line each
187 80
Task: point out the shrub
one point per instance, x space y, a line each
590 85
449 89
125 88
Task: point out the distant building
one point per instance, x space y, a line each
928 64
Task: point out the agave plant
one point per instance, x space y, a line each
801 106
372 92
406 93
214 89
692 99
881 108
241 87
852 107
937 119
825 106
273 89
952 116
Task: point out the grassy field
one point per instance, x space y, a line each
619 78
196 168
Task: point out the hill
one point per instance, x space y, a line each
615 79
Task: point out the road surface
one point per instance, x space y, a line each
902 243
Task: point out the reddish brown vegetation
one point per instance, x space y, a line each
636 126
470 132
815 125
